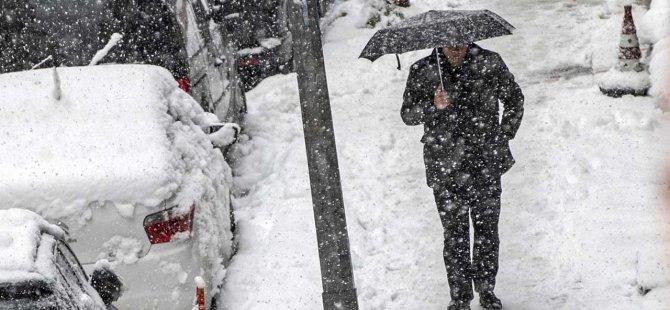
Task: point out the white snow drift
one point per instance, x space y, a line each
656 29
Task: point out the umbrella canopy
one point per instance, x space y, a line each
436 29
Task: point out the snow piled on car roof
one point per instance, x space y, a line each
23 254
112 137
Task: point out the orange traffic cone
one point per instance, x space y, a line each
629 45
629 76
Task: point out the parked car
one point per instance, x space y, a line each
262 38
39 271
121 156
262 61
175 34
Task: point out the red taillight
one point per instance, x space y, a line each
162 226
184 84
248 62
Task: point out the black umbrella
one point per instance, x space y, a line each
436 29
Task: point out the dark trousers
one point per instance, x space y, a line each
478 198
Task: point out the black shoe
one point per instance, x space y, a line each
459 305
489 301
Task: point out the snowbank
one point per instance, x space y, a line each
655 28
656 22
20 236
659 71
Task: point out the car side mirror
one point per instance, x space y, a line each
107 283
225 134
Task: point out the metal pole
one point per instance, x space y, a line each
339 292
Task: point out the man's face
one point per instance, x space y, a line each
455 52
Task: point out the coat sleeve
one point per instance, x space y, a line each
512 99
417 107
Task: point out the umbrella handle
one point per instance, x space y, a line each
439 68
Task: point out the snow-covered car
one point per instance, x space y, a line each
263 60
261 35
120 157
38 270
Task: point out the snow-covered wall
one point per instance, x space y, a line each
655 28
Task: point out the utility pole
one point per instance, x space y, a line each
339 291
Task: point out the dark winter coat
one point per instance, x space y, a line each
466 137
151 35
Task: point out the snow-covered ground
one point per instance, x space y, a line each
583 225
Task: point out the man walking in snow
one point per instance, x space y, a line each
466 150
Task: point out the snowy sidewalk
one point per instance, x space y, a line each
582 226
